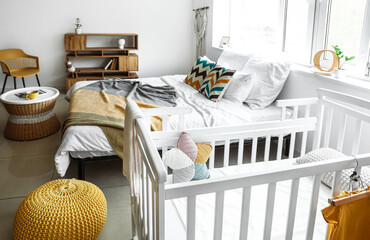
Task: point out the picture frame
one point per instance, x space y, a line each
224 41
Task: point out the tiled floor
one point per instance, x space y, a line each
25 166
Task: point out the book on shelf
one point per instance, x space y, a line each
109 63
114 64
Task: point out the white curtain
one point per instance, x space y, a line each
200 25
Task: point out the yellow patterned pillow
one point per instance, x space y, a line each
199 72
204 151
215 84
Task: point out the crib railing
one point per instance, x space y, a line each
344 106
148 174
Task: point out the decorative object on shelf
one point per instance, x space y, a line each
316 61
61 209
121 43
339 72
78 29
70 67
224 42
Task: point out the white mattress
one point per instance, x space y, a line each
90 141
176 210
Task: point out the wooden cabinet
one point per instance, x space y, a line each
124 62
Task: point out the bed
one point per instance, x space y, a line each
260 200
86 143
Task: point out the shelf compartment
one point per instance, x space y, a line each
99 42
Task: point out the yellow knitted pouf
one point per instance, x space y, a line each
61 209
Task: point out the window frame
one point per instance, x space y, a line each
316 35
320 38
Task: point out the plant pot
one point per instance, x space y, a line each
78 30
339 73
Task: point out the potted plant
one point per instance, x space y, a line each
78 29
339 72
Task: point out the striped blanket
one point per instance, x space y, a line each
103 104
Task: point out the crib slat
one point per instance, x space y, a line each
313 206
304 143
254 150
190 219
160 200
292 208
149 199
164 150
144 196
292 145
283 113
295 112
357 137
212 157
245 213
342 131
226 152
329 117
280 147
269 210
267 149
307 111
317 137
240 151
219 215
293 134
154 212
181 122
164 123
336 183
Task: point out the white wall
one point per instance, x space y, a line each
38 27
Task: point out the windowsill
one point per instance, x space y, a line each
362 84
346 81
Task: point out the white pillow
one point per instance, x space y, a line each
270 78
233 59
322 154
240 87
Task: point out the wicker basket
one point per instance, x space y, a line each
61 209
36 130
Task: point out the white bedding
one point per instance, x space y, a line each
176 209
90 141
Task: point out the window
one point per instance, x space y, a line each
297 28
346 25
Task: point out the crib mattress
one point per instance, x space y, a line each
176 210
90 141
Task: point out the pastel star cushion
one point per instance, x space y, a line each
204 151
187 145
183 174
199 72
176 159
201 171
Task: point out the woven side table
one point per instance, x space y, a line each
30 119
61 209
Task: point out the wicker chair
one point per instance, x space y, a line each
16 63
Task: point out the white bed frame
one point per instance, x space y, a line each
148 174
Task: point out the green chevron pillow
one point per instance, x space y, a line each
215 84
199 72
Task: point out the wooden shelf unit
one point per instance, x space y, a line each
77 48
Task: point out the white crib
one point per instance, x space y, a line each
148 179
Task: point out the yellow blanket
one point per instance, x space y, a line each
89 107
